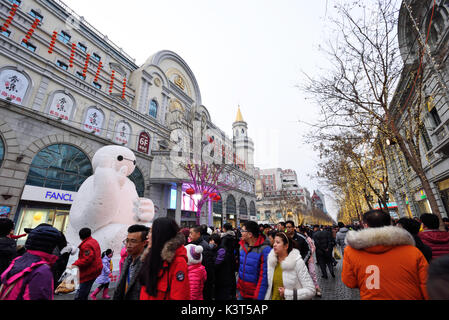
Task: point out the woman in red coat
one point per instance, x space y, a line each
164 273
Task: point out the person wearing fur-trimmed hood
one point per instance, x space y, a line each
164 274
288 277
383 262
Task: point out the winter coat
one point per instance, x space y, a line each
312 249
296 278
324 244
197 278
89 260
209 263
252 281
8 251
425 249
303 246
437 240
123 255
384 264
30 277
173 281
105 272
133 290
231 244
340 238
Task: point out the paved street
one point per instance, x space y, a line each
333 288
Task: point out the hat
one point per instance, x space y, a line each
43 238
194 254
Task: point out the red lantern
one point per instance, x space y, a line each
190 191
213 195
217 198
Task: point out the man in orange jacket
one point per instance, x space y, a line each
383 262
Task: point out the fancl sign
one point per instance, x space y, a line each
40 194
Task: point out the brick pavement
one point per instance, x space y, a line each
334 288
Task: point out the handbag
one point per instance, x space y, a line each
337 255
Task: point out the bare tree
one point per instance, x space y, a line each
356 93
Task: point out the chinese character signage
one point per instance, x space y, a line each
122 133
144 143
13 85
61 106
93 121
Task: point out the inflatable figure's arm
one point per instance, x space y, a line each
143 210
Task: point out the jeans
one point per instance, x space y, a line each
84 290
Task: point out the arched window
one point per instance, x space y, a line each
230 205
2 151
139 181
252 208
218 206
59 166
243 209
153 108
14 85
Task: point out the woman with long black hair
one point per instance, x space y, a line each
164 272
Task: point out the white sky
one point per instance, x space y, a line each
247 52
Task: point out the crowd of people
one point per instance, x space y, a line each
384 258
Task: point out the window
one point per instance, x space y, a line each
426 139
36 15
153 109
96 85
230 205
59 166
218 206
243 209
435 117
18 2
6 33
64 37
96 57
139 182
62 65
80 75
2 151
29 46
82 47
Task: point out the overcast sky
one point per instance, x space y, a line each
242 52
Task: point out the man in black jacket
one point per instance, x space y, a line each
324 244
208 261
8 248
300 240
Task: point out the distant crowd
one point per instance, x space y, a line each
404 259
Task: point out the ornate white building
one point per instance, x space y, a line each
66 90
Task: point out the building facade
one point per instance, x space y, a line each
434 145
66 90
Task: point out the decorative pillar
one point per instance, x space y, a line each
178 203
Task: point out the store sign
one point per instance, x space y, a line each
61 106
253 218
243 217
122 133
420 195
40 194
13 85
93 121
144 143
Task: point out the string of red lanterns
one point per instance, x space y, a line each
100 65
86 64
124 88
8 21
111 84
31 31
213 196
72 55
53 41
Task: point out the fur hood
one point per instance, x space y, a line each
383 238
169 250
289 262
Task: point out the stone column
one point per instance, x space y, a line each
178 203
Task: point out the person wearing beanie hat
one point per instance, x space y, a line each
196 271
29 277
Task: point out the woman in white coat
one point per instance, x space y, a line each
288 277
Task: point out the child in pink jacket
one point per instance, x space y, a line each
197 272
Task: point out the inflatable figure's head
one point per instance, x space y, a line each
114 157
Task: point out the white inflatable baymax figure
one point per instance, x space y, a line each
107 202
